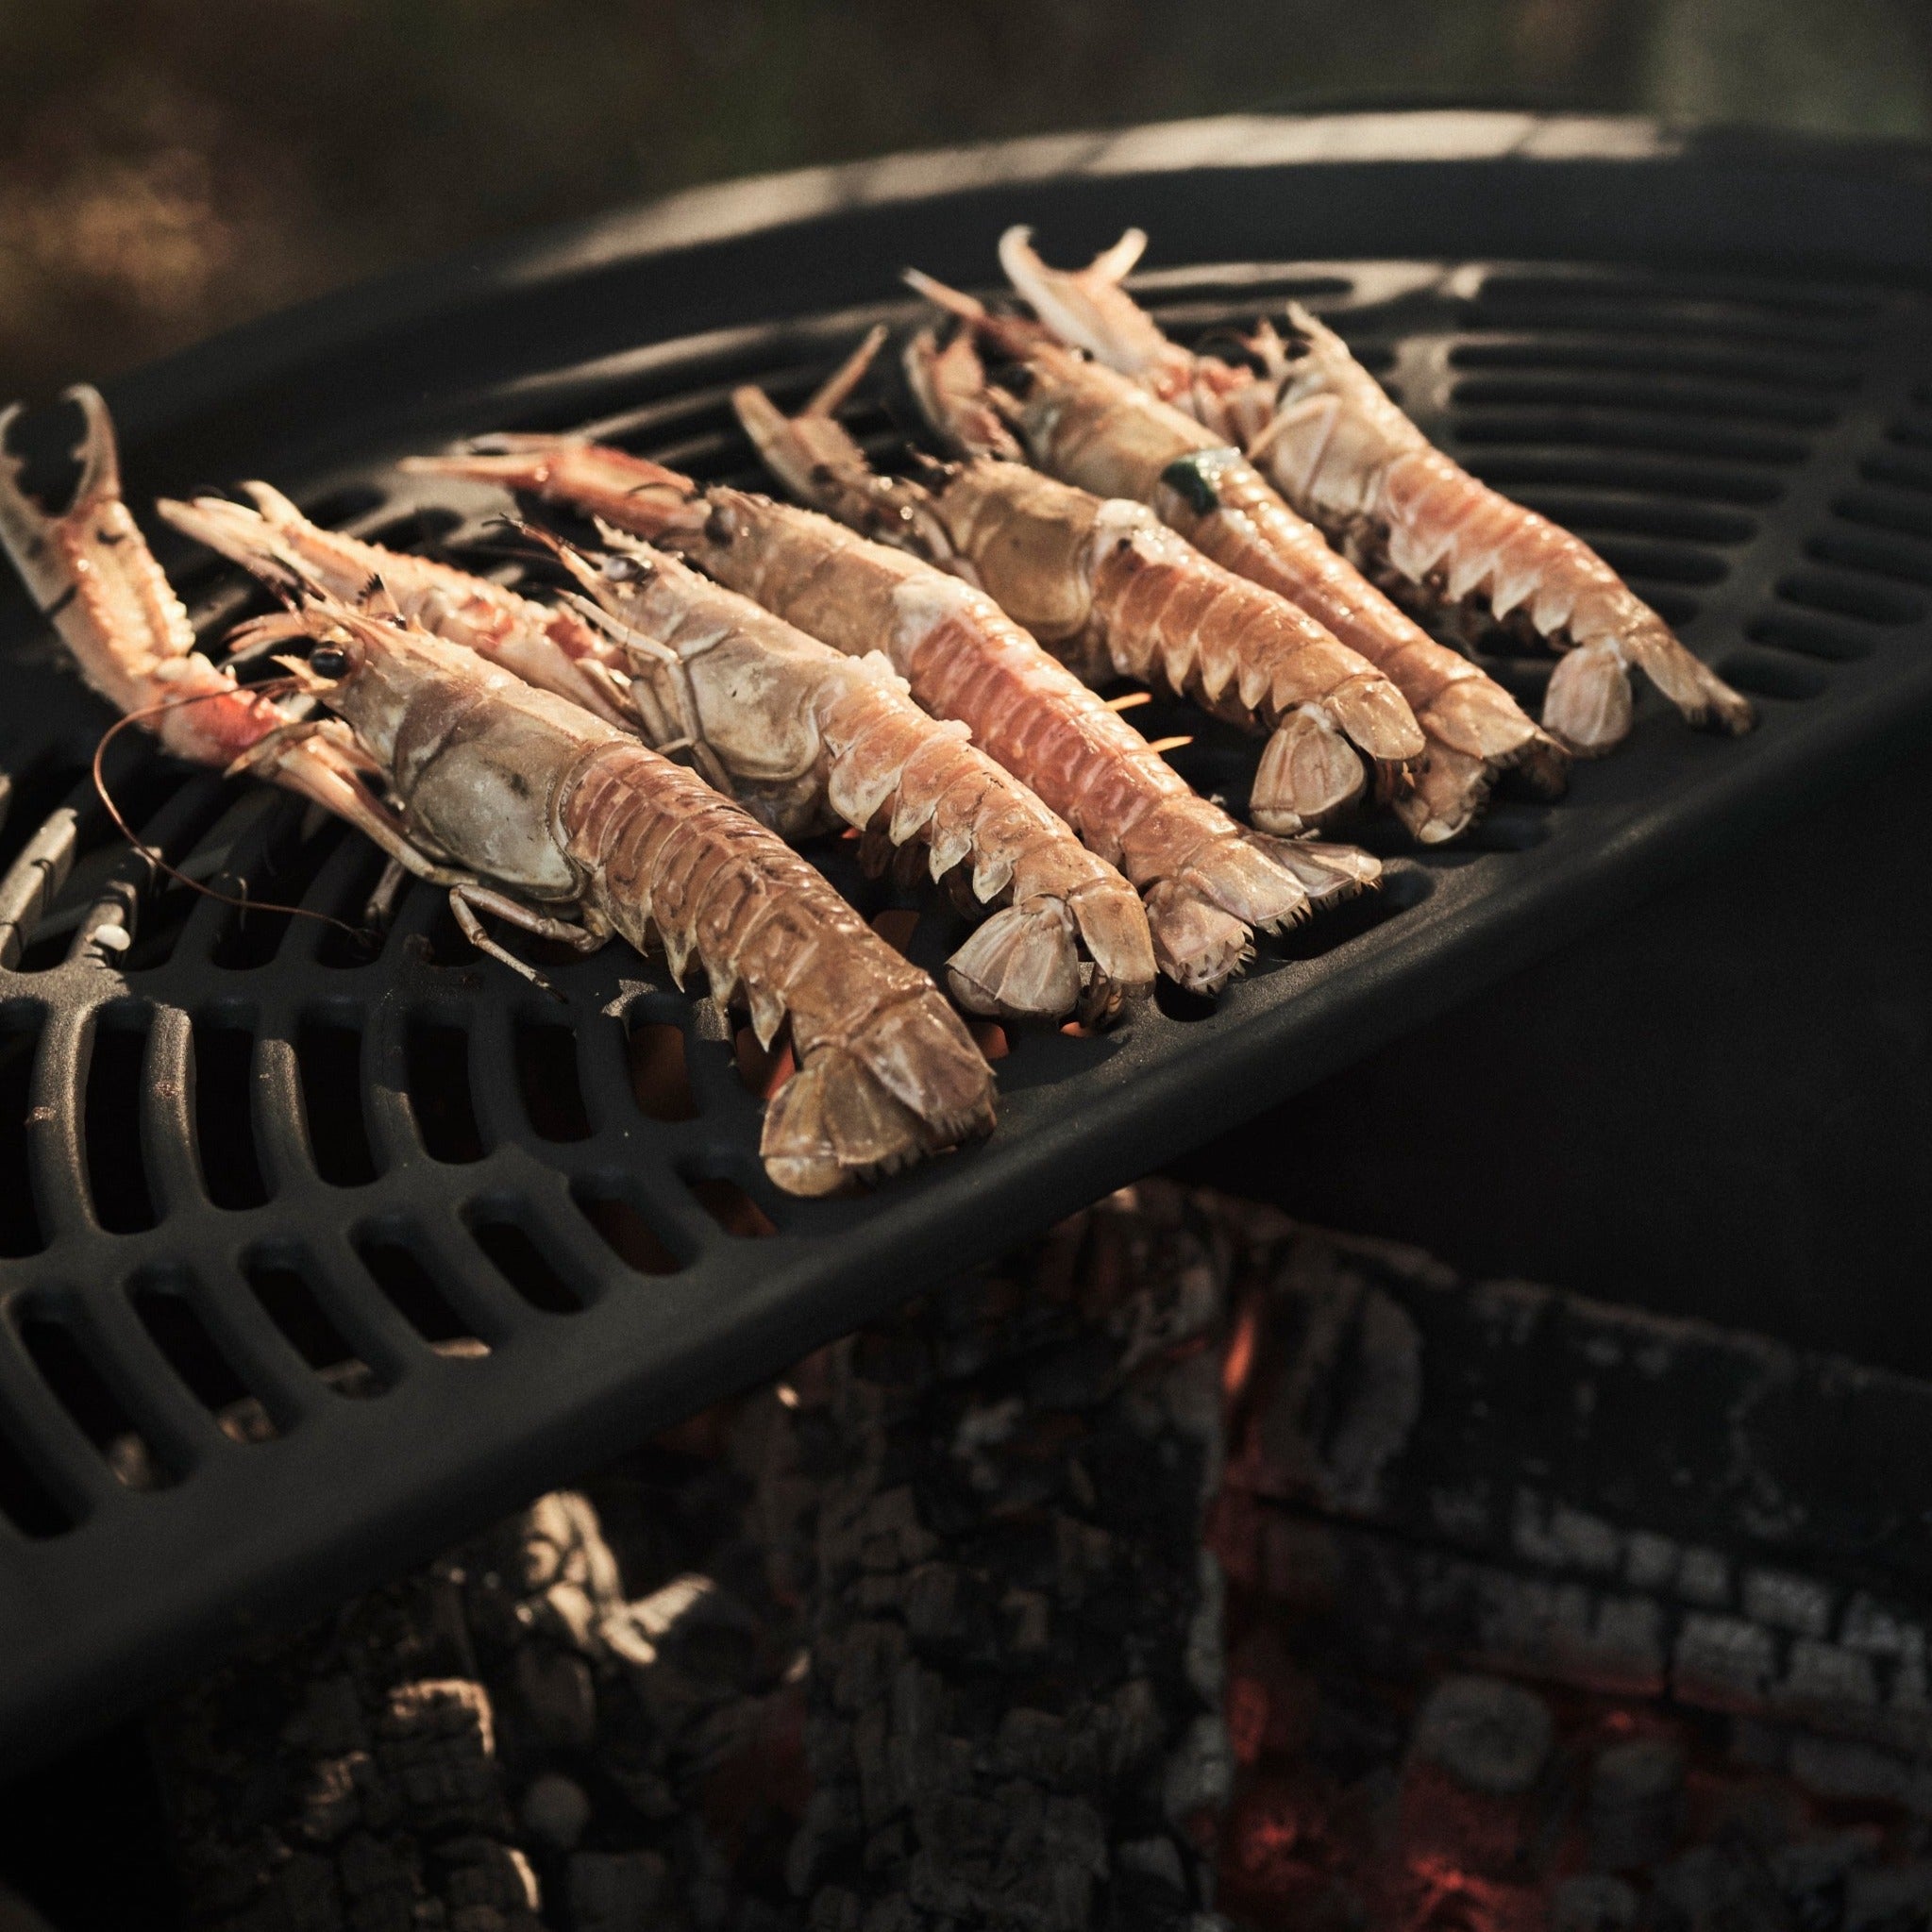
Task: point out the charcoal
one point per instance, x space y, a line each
615 1892
1895 1898
1593 1901
555 1696
1016 1641
1636 1803
555 1810
1488 1736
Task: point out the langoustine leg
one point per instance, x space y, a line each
1343 454
1207 881
797 734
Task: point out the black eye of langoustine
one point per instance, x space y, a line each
329 660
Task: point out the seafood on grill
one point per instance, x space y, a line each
1111 591
1339 450
1207 881
526 806
1092 427
800 735
549 647
93 577
807 735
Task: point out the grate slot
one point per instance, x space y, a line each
20 1232
1879 509
1595 513
1588 428
223 1134
1700 482
731 1207
1773 674
1737 402
1811 637
659 1080
282 1290
1913 472
161 1302
526 1265
77 1384
116 1175
1851 552
330 1057
1661 562
28 1503
625 1229
1850 597
414 1290
1659 357
437 1059
278 866
544 1055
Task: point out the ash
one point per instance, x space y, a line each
1191 1568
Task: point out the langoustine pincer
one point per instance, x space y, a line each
1343 454
524 805
800 735
1205 880
1090 426
1111 591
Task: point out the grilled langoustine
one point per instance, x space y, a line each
1112 592
800 735
1091 426
1207 881
806 732
524 805
1339 450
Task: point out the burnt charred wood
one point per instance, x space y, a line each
1016 1656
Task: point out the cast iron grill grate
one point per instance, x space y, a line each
317 1248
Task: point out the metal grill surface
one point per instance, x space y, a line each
315 1250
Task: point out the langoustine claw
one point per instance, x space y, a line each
1089 425
90 571
1205 880
1113 593
1344 456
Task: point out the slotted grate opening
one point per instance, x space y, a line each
330 1053
224 1115
166 1311
519 1257
77 1383
286 1296
117 1177
389 1147
416 1292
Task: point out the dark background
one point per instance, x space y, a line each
171 166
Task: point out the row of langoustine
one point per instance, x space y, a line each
787 672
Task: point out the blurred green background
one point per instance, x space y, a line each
170 166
